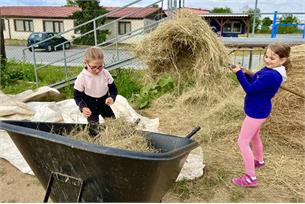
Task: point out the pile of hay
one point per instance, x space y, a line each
187 47
116 133
288 115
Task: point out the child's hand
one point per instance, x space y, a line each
109 101
234 68
86 112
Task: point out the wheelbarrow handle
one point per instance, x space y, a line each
190 135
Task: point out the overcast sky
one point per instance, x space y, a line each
235 5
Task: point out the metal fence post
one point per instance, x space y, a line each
95 36
250 59
35 66
23 55
65 62
116 42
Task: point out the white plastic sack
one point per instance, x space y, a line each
45 112
10 106
10 152
193 166
40 94
70 112
121 108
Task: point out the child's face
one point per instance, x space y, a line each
272 60
95 66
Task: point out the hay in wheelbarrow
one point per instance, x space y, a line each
116 133
288 115
187 47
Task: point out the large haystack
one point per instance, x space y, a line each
288 114
188 48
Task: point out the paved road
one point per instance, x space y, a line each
76 55
111 55
43 57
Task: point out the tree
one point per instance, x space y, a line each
71 3
250 12
221 10
266 22
288 19
90 9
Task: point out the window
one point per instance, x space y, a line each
24 25
124 27
3 24
36 37
232 27
236 28
53 26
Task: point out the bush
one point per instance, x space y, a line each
128 81
165 84
17 71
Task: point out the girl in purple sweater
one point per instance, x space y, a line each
260 88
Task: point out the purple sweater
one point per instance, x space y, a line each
259 88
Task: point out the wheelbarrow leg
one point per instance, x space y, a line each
66 178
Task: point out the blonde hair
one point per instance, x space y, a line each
94 53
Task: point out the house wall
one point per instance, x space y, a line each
37 27
69 23
114 28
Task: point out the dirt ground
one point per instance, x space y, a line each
18 187
282 180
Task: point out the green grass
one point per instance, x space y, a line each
19 76
128 81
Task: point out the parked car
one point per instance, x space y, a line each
48 45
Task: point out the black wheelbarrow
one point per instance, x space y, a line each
75 171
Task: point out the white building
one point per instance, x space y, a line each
21 21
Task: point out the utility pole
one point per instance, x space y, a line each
254 18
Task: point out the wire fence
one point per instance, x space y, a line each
48 39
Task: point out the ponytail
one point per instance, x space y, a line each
287 64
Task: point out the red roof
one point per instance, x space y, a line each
198 11
138 12
67 11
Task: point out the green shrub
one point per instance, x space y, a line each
128 81
16 70
165 84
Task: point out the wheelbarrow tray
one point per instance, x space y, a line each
86 172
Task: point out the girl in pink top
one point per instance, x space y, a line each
94 88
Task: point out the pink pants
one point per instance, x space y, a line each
250 134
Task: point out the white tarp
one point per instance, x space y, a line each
66 111
44 93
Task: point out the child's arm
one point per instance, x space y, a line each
113 91
78 97
249 74
263 82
